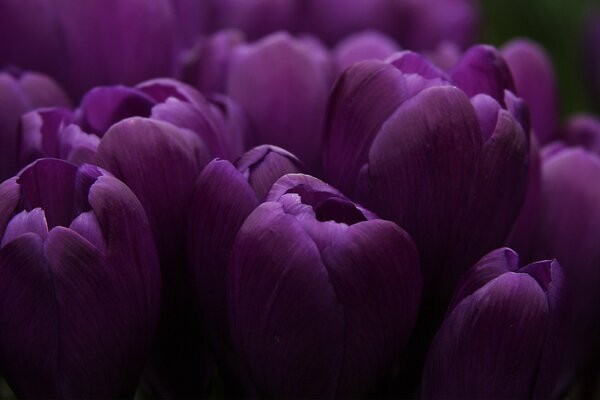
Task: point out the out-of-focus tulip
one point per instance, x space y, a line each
418 151
19 93
535 82
425 24
257 17
583 130
568 228
322 295
592 53
282 84
362 46
74 136
504 334
193 18
84 44
80 283
224 197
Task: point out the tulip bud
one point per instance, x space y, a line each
503 336
19 93
80 283
293 77
322 295
535 82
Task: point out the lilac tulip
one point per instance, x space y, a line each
19 93
224 197
535 82
322 295
86 44
282 83
80 283
504 333
418 151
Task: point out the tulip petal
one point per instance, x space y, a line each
42 91
28 347
410 62
48 184
222 201
10 195
496 337
368 45
535 82
374 269
422 166
39 133
102 107
264 165
363 98
583 130
285 321
483 70
33 221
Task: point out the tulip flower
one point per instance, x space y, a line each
535 82
85 44
80 283
282 84
224 197
583 130
322 295
567 228
362 46
19 93
504 333
418 151
75 136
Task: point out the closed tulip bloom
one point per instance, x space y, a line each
322 295
282 84
86 44
224 196
19 93
80 283
568 228
535 82
418 151
504 333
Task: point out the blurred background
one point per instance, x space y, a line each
560 26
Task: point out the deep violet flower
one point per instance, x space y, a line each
80 283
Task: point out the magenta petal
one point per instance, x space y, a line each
363 98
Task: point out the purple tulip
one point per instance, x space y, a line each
19 93
282 83
322 295
368 45
86 44
74 136
257 17
504 332
567 228
224 197
583 130
419 152
80 283
535 82
425 24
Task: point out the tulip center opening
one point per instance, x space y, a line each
328 206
